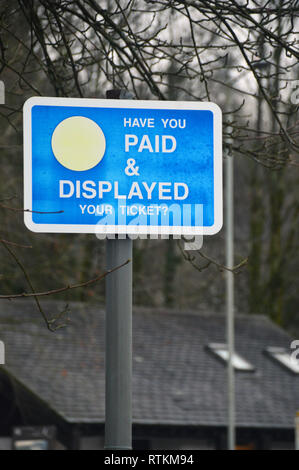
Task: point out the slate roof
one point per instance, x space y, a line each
176 380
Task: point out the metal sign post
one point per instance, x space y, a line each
118 326
297 431
230 295
118 331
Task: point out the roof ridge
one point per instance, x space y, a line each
149 309
171 311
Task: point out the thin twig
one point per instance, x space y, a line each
14 244
66 288
16 209
36 295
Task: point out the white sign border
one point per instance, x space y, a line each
122 229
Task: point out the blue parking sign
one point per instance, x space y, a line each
122 166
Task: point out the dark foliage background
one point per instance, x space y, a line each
242 55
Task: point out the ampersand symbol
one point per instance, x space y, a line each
130 169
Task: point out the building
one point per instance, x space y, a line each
179 378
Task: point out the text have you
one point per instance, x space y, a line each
152 143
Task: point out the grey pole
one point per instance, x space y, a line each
118 427
230 296
118 334
297 431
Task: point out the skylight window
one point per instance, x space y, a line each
239 363
284 357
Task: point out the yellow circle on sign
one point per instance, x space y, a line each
78 143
